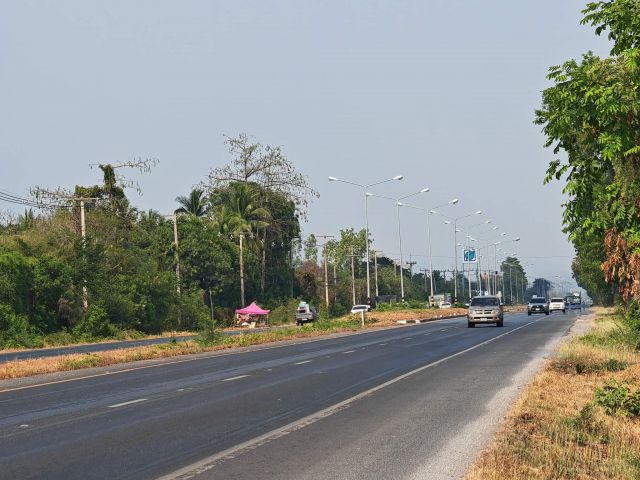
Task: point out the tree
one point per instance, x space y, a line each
266 166
195 204
311 249
592 114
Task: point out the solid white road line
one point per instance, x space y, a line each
209 463
231 379
130 402
349 351
303 362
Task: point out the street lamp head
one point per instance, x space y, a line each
479 212
425 190
487 221
454 201
447 222
369 194
332 179
496 228
517 239
503 234
400 204
398 177
432 211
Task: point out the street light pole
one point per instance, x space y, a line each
431 211
398 205
401 262
366 214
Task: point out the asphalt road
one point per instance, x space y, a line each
412 402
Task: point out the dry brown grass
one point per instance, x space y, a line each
555 431
391 317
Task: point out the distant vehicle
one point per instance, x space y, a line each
360 308
538 305
485 309
557 304
305 313
445 305
573 302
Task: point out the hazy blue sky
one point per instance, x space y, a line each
441 91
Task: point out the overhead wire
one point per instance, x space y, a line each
18 200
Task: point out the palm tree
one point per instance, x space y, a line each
242 219
193 205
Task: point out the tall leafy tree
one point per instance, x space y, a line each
592 115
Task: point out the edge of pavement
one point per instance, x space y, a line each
506 399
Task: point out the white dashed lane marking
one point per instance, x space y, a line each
130 402
231 379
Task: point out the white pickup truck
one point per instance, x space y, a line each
305 313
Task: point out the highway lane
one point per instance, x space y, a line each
153 421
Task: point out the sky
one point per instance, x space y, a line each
442 92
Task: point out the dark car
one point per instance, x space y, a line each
538 305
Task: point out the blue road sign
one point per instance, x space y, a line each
469 255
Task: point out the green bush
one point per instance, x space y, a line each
188 312
285 313
16 331
618 399
94 325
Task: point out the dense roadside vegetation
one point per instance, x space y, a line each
591 115
121 281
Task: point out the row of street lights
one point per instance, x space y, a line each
429 211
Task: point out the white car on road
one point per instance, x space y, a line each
557 305
360 308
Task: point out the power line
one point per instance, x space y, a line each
17 200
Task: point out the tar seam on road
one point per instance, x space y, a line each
210 462
206 357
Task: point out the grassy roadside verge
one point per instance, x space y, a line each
579 418
211 341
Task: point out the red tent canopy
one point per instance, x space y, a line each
253 309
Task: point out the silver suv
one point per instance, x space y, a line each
486 309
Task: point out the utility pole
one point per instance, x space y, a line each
177 256
353 276
83 233
425 271
375 268
326 268
241 271
411 263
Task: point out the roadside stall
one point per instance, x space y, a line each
252 316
